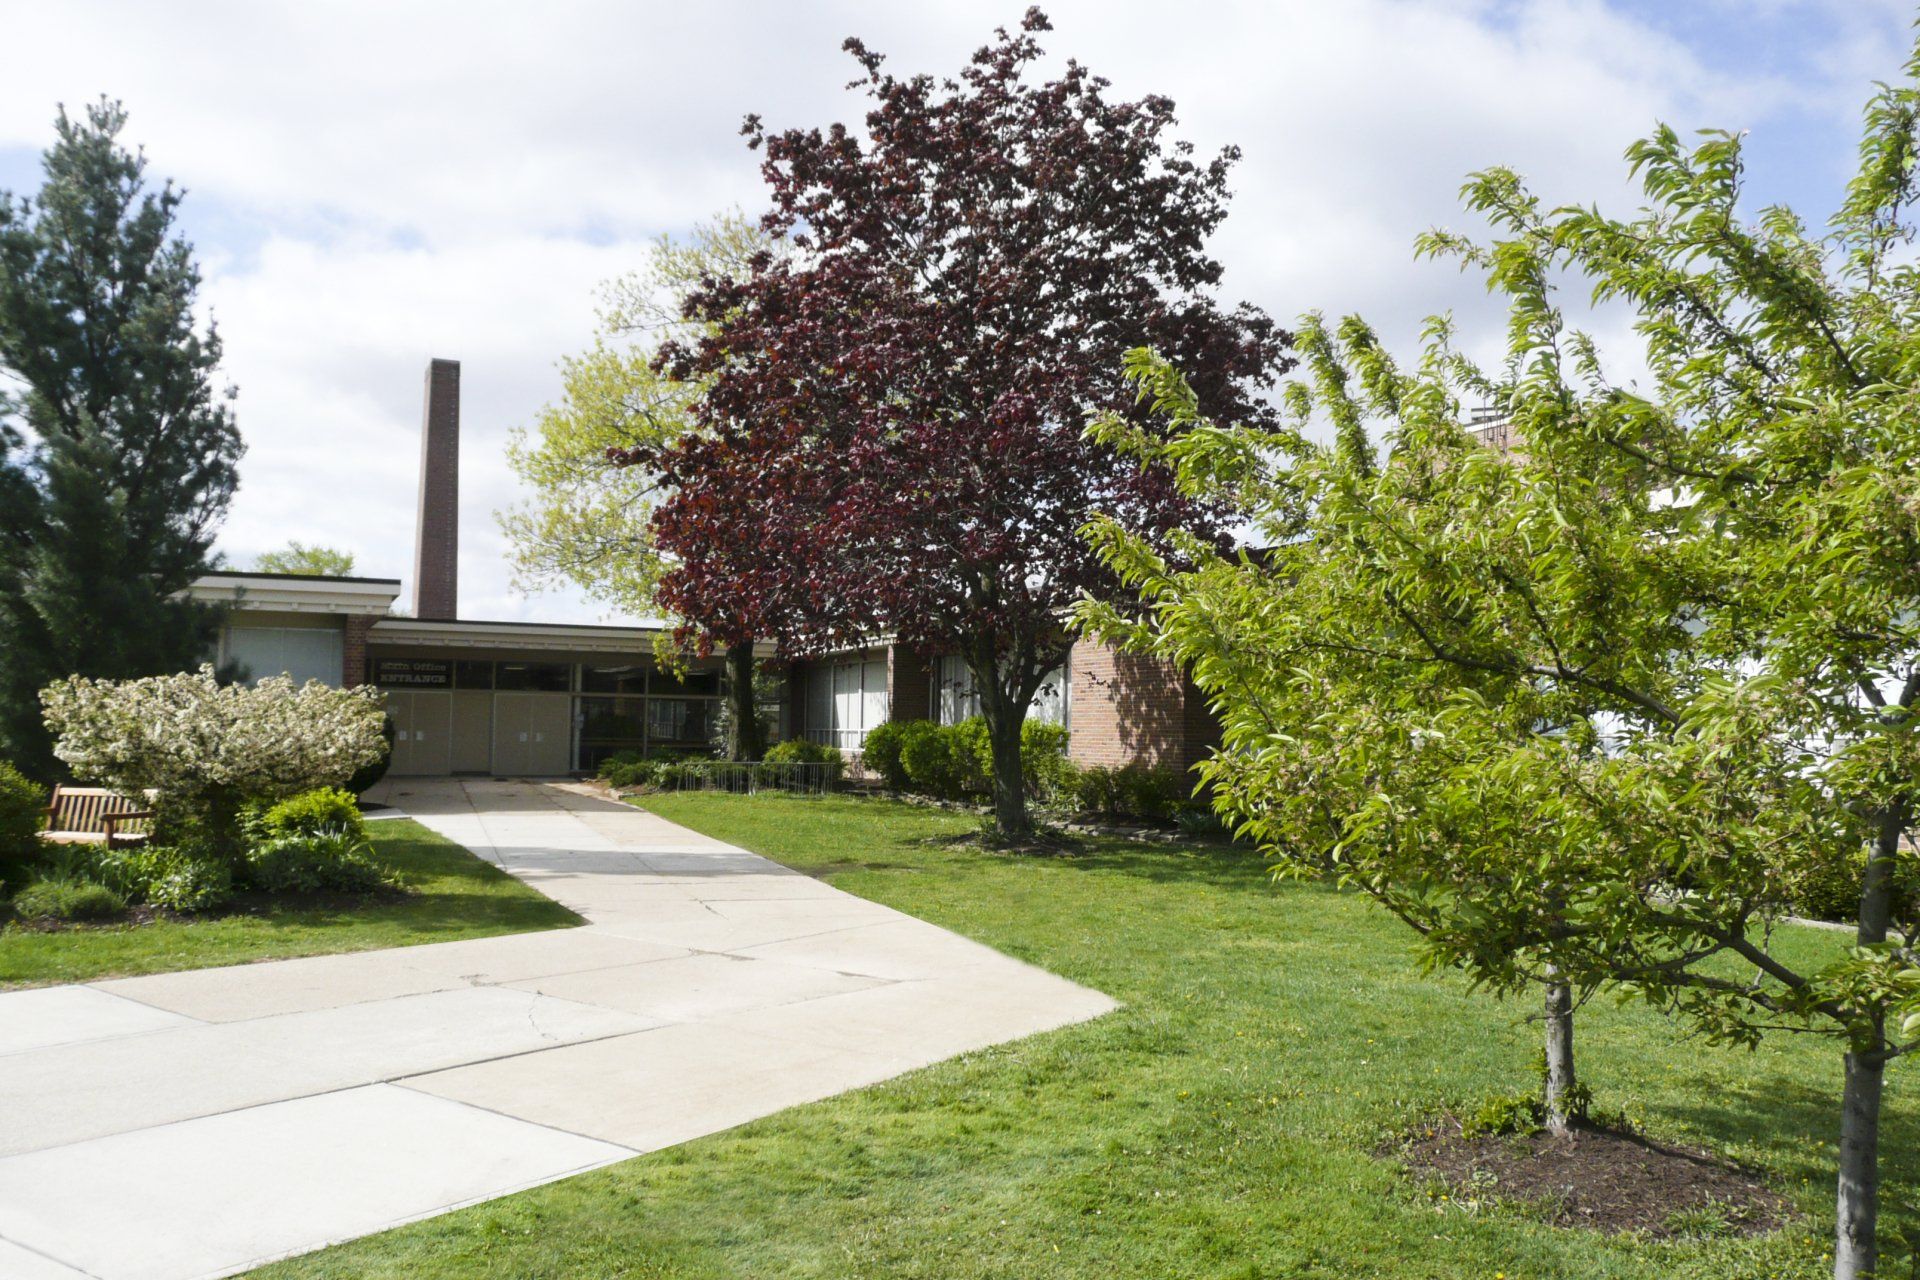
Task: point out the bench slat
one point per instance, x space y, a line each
79 815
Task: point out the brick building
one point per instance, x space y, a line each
471 696
1119 708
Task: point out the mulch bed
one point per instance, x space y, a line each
1600 1179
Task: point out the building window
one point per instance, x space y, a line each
473 675
680 724
625 678
704 684
844 700
536 677
956 699
303 653
607 725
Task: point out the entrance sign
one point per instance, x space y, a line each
413 673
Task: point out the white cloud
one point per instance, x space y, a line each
374 184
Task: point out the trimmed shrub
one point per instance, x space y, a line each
67 900
953 761
1097 790
627 773
1832 892
1043 759
618 760
800 751
1199 821
21 807
1152 792
972 751
1136 790
926 753
311 812
881 752
21 803
335 860
177 878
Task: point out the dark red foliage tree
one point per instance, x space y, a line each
892 440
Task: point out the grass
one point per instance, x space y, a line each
1223 1124
453 895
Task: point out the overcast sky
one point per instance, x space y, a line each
371 185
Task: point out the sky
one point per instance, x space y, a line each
374 184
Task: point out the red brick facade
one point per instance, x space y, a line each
436 556
1126 709
1122 709
353 650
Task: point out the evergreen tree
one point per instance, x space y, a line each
117 452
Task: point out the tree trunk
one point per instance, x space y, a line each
1004 715
1856 1250
1558 1094
743 743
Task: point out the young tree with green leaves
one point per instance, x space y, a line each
118 452
1592 708
299 558
589 522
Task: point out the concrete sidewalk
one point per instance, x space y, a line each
198 1123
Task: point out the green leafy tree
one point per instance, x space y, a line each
588 522
298 557
117 452
1587 708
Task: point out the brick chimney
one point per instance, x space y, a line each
436 549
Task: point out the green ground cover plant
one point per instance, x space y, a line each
450 894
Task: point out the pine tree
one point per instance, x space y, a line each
117 452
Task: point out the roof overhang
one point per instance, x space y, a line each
291 593
512 635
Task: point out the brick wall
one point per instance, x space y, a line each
353 651
436 553
1126 708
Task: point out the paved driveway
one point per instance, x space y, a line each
194 1124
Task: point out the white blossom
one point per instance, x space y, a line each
187 736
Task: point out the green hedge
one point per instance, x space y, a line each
21 803
881 753
952 762
1135 790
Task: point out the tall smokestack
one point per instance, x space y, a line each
436 548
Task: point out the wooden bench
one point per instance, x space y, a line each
95 815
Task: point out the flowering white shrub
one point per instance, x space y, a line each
207 748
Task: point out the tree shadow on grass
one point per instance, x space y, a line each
1798 1126
1216 865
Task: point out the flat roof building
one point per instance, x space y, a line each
533 699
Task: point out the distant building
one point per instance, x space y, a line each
531 699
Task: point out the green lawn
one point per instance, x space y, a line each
1221 1125
454 895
